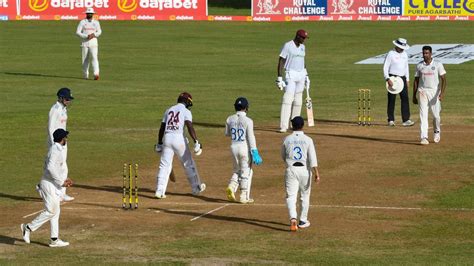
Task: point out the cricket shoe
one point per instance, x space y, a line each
160 196
408 123
282 130
424 141
293 225
391 123
302 224
96 77
230 194
246 201
437 137
25 233
199 189
67 198
58 243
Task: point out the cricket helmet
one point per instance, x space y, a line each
186 99
241 103
65 93
59 134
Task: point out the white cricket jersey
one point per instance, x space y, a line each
174 119
298 147
294 56
429 74
396 64
55 166
57 119
87 27
240 128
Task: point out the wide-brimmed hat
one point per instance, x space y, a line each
401 43
89 10
397 85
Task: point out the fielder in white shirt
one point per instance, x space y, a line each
55 176
57 118
89 30
171 141
292 60
430 93
396 64
239 128
299 154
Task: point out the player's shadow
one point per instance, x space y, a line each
39 75
19 198
6 240
255 222
211 125
397 141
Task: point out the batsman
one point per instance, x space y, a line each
239 128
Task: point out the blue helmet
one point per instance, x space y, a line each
65 93
241 103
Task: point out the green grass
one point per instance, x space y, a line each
144 65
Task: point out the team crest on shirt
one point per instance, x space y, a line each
433 68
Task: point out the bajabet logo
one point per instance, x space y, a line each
38 5
126 7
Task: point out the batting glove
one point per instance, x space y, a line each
256 157
307 82
197 148
158 148
280 83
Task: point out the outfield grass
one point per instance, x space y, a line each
144 65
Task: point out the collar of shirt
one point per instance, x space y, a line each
59 146
241 113
298 132
61 105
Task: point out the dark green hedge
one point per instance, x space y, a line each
230 3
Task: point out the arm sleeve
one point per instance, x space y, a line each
417 72
441 70
52 123
79 31
188 116
250 135
386 66
54 167
312 158
284 52
227 129
407 71
98 30
283 152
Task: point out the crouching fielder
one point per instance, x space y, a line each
54 178
171 141
239 128
299 153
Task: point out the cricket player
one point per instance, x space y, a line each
89 30
58 119
55 176
396 64
239 128
430 94
299 154
171 141
292 60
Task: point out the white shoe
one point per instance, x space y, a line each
230 194
282 130
58 243
246 201
26 233
424 142
408 123
391 123
159 196
67 198
302 224
437 137
199 189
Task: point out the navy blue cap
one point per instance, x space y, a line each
297 122
59 134
241 103
65 93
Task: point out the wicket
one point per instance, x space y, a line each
364 107
128 173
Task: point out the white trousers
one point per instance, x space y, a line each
298 178
176 144
428 100
293 97
51 198
242 173
89 54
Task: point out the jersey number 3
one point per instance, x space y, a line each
237 134
297 155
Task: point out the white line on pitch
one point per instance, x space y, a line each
216 209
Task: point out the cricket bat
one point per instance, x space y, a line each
309 108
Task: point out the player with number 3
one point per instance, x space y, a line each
239 128
171 141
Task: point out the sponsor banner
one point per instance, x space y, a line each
439 8
366 7
111 9
445 53
269 8
7 9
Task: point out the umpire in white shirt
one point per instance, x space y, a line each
396 64
299 154
55 176
89 30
